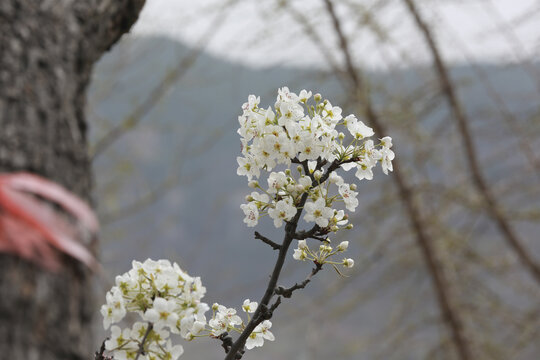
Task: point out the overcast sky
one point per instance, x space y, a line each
256 32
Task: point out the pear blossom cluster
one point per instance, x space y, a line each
303 130
167 300
161 294
226 320
322 255
313 134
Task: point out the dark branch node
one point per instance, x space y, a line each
315 232
226 341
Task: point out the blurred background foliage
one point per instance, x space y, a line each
447 249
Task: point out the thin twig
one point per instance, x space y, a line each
301 235
172 77
263 312
266 240
481 185
287 292
276 304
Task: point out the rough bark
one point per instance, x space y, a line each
47 49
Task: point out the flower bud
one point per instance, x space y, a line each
348 263
325 248
299 188
343 246
302 245
352 187
253 184
288 172
291 188
299 168
334 228
249 198
215 306
349 226
317 97
341 136
317 174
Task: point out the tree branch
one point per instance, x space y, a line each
170 78
266 240
479 182
425 243
315 233
287 292
263 312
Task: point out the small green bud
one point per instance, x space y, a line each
317 97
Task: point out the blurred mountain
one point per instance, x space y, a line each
191 134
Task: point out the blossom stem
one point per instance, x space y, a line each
263 312
258 316
141 346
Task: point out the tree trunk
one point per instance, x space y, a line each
47 49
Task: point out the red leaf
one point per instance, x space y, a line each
30 228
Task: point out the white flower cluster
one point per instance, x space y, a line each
321 256
296 132
225 320
163 295
168 299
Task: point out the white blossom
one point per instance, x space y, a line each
259 334
249 306
283 210
252 214
318 212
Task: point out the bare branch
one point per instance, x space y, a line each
266 240
301 235
287 292
168 80
478 179
424 242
